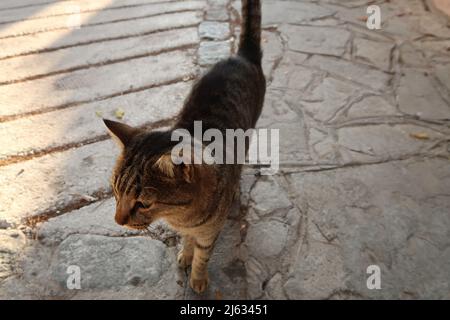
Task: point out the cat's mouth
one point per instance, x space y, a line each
141 226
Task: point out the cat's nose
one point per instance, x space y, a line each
123 211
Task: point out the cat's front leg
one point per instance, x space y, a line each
199 273
186 254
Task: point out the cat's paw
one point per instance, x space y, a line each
199 285
184 260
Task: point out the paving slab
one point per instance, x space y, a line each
7 4
52 8
212 30
47 183
376 53
94 219
58 39
211 52
354 72
93 18
82 57
399 200
370 106
107 262
109 268
317 40
369 142
92 84
329 97
11 244
52 130
416 90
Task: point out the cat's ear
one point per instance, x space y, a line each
188 172
120 132
166 165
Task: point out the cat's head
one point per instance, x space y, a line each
146 183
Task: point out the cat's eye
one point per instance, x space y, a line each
142 205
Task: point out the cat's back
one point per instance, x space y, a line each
229 75
232 91
231 94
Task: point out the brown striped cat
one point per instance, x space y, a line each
194 199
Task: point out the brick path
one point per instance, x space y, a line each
364 119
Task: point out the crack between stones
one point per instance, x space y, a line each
101 98
327 73
278 59
100 64
30 5
99 195
85 11
40 153
435 125
152 236
330 167
302 229
84 43
98 23
346 292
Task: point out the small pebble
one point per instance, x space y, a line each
4 224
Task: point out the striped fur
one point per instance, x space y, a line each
194 199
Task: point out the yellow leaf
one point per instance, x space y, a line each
420 136
98 113
119 113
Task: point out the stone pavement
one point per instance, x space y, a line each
364 120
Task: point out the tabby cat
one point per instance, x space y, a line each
194 199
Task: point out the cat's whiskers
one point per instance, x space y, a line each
149 232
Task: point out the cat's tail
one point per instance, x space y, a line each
250 41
